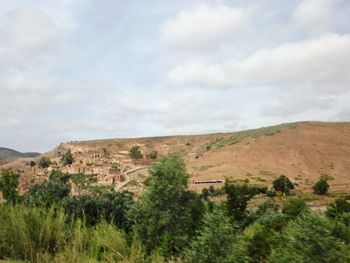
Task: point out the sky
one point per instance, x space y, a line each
90 69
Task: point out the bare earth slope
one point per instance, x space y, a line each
302 151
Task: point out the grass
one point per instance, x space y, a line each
265 173
255 133
259 179
30 234
205 167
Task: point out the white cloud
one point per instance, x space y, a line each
316 16
343 115
204 26
321 63
293 105
77 69
28 31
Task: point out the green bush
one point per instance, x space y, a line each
167 215
46 194
9 182
153 155
135 152
310 238
283 184
321 187
338 208
44 162
112 207
238 197
67 158
217 241
294 208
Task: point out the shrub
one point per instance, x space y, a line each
44 162
262 232
67 158
294 208
153 155
135 152
112 207
321 186
8 185
217 241
310 238
205 193
267 207
283 184
57 175
338 208
46 194
168 214
238 197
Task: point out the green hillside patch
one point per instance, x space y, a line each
254 133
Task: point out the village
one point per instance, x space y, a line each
114 169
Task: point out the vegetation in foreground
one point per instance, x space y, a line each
169 223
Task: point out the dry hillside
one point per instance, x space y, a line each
302 151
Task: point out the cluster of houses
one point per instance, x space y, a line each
108 167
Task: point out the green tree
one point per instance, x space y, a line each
294 208
46 194
112 207
57 175
238 197
321 186
262 232
283 184
205 193
338 208
67 158
168 214
135 152
44 162
32 163
309 238
217 241
82 181
9 182
153 155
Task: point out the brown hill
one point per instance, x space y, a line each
302 151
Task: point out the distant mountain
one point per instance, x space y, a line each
7 154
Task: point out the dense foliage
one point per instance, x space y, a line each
112 207
8 185
167 216
168 223
46 194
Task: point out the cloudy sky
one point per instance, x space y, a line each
86 69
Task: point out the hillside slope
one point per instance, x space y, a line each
302 151
7 154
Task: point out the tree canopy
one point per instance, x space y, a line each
9 182
167 215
